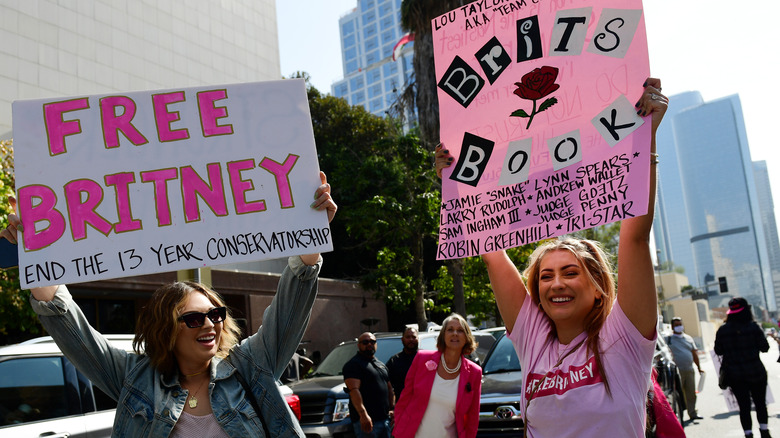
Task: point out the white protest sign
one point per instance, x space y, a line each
143 182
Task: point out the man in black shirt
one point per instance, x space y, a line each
399 364
370 393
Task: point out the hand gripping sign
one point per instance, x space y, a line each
130 184
536 104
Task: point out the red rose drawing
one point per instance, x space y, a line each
535 85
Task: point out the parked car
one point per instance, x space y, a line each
495 331
325 404
42 393
669 376
502 392
485 341
324 401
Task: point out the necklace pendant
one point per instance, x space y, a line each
193 402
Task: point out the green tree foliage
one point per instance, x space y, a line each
17 320
480 301
416 17
388 198
608 235
687 289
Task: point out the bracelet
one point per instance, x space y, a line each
654 157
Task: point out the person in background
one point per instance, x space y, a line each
565 318
189 374
399 364
371 396
685 355
442 389
297 368
739 341
662 421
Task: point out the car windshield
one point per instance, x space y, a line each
502 358
335 360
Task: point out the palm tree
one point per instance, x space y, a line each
416 16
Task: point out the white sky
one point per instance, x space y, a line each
716 47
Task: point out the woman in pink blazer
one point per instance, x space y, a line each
441 393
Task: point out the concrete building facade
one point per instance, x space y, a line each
69 47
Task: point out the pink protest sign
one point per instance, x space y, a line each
152 181
536 101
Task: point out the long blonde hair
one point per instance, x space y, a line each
598 269
157 327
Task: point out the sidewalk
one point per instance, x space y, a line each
718 421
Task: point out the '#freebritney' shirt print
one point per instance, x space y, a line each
559 382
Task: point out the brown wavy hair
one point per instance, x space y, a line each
158 327
471 342
599 271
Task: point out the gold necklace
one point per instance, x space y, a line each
193 400
199 372
195 374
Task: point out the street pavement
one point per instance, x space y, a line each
718 422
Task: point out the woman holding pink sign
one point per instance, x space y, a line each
190 376
586 351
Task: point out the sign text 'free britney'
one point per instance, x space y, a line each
136 183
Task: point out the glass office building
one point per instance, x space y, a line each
768 219
372 79
709 218
670 228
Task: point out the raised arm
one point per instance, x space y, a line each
10 233
636 286
286 319
507 284
322 201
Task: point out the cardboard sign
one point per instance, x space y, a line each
536 102
143 182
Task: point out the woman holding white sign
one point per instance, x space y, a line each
190 377
586 352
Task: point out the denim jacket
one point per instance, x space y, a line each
150 404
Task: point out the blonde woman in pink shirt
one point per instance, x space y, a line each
586 352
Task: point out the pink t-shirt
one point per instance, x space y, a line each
571 400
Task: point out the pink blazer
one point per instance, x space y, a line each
409 410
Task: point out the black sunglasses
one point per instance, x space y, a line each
368 341
197 319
